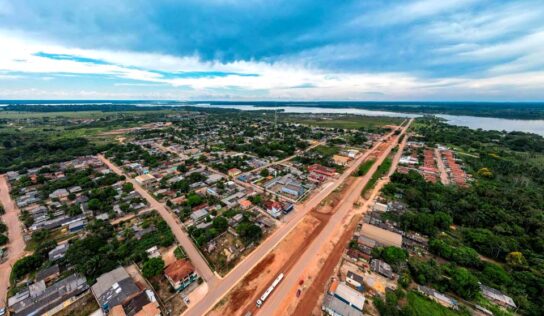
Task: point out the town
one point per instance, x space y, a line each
197 213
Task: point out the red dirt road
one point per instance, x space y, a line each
16 245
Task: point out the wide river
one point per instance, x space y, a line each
475 122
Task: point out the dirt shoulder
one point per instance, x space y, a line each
16 245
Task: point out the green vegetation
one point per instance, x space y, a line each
153 267
382 170
498 216
32 149
179 253
365 167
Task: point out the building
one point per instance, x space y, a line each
274 208
497 296
233 172
355 280
143 304
145 179
199 215
58 252
48 274
438 297
59 194
319 169
380 207
333 306
114 288
38 299
245 204
381 236
180 274
77 225
347 295
340 160
382 268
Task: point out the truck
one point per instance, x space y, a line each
268 291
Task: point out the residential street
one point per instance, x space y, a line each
16 245
182 237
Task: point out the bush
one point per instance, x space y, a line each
153 267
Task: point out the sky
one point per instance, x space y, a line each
488 50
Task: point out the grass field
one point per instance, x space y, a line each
423 306
345 121
327 150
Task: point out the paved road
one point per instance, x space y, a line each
343 209
184 240
235 275
16 245
443 174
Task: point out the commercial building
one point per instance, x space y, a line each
381 236
114 288
38 299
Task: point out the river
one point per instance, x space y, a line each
474 122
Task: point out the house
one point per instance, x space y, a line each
180 274
340 160
153 252
355 280
59 194
199 215
233 172
143 304
114 288
58 252
245 204
381 236
438 297
497 296
274 208
145 179
75 189
382 268
380 207
77 225
41 300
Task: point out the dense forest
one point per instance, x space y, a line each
33 149
499 216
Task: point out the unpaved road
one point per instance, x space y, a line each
184 240
16 245
309 301
443 174
223 287
343 213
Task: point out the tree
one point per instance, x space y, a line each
249 232
464 283
264 173
3 228
182 168
153 267
128 187
3 240
516 259
220 224
393 255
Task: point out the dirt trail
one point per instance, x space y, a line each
16 245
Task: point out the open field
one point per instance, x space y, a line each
346 121
74 115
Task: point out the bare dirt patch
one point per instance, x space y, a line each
242 298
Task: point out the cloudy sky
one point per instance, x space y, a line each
272 50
